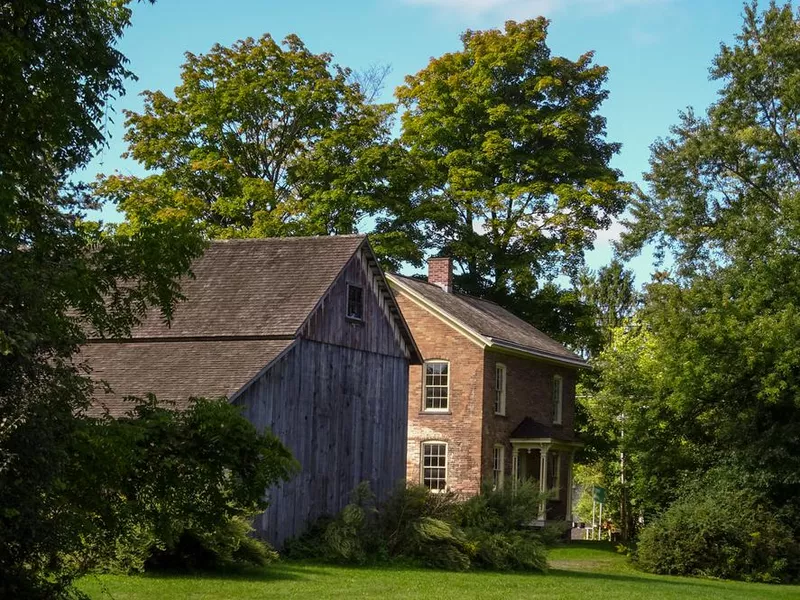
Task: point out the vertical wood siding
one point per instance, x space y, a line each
342 413
378 332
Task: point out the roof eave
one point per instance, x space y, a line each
518 349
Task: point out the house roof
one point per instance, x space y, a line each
529 429
245 304
490 323
254 287
175 370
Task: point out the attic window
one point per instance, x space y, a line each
355 302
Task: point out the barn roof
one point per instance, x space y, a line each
245 304
255 287
175 370
488 322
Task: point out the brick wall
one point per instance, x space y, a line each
528 394
471 429
461 428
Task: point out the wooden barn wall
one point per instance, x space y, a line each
342 413
377 332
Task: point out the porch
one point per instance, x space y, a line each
547 460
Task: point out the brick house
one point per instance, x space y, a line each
305 335
493 402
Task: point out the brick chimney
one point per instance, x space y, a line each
440 272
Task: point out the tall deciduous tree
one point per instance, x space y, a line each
260 139
60 276
720 379
514 162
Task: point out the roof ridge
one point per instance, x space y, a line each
288 237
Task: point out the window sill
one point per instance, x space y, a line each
435 412
354 320
504 415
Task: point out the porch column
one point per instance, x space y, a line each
543 482
570 458
514 467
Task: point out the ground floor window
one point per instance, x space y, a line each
554 470
498 466
434 465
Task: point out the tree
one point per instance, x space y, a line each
260 140
513 161
61 278
612 297
724 186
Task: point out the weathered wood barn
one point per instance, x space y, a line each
306 336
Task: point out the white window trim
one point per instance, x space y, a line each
422 464
501 478
425 386
558 414
500 367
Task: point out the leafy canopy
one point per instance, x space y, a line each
261 139
513 161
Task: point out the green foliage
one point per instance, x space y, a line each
513 161
261 139
183 483
438 530
229 544
720 527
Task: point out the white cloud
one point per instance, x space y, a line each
531 8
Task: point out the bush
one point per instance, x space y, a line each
182 486
227 545
435 530
719 528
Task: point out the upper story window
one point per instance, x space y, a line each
437 385
499 389
434 466
558 393
498 465
355 302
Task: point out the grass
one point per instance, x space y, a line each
585 570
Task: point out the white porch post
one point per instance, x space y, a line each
570 459
543 482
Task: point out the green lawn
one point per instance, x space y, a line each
583 571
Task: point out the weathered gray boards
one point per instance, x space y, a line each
305 335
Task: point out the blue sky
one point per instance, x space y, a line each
658 53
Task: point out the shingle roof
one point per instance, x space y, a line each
175 370
489 320
244 306
254 287
530 429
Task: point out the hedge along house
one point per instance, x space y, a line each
494 401
305 335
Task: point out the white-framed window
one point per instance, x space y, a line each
498 465
436 386
558 393
500 389
434 466
554 471
355 302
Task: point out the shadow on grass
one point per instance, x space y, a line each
280 571
641 579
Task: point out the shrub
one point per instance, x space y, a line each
227 545
719 528
435 530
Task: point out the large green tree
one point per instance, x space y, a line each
262 139
512 158
61 278
713 374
